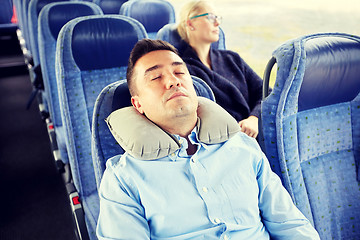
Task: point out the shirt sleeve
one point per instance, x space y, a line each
121 216
281 217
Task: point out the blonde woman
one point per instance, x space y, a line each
236 86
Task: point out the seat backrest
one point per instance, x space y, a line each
18 7
110 6
35 7
311 127
51 19
170 34
113 97
25 23
91 53
153 14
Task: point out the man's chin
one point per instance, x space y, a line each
182 106
185 110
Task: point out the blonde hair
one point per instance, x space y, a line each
190 9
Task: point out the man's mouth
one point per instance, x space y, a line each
176 94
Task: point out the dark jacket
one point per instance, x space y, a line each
236 87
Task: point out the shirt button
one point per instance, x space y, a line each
193 160
173 154
205 189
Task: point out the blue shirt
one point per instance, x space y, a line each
223 191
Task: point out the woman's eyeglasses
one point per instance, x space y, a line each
211 17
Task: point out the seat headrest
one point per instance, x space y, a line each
170 34
332 72
144 140
110 6
121 97
61 13
41 3
156 15
106 42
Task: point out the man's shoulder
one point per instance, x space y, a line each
113 161
239 151
118 169
243 141
117 163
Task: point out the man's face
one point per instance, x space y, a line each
164 88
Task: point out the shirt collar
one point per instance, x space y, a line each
193 138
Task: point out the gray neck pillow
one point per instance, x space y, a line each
144 140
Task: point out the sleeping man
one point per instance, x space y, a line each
188 172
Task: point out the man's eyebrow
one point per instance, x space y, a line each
152 69
178 63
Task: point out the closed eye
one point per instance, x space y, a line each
158 77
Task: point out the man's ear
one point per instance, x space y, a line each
136 103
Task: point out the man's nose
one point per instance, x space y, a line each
172 81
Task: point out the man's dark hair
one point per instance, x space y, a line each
141 48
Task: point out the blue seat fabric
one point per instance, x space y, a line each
33 11
110 6
18 7
24 23
323 84
311 126
158 13
35 7
51 19
90 54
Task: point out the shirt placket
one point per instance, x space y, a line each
207 193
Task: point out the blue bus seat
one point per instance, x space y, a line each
311 128
51 19
17 4
33 12
6 13
23 19
153 14
111 98
110 6
35 7
170 34
91 53
26 28
20 32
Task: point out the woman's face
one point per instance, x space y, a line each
205 28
